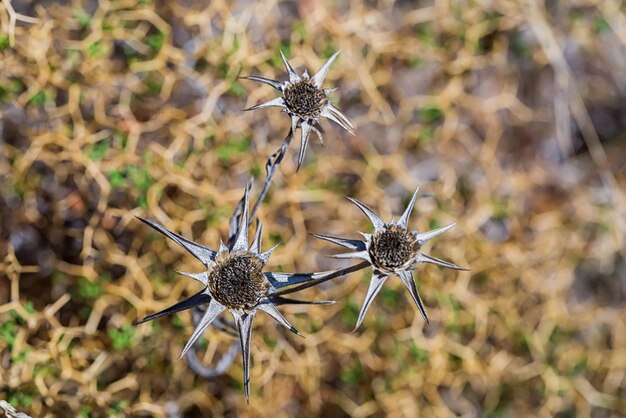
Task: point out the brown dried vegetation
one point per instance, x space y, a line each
509 114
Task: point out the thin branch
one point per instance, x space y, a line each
221 366
273 162
223 363
270 168
11 412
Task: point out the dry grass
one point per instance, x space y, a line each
510 115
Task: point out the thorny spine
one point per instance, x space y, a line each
234 281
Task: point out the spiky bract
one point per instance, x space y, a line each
305 102
234 280
391 249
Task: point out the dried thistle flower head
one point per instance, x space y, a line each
305 101
234 280
391 249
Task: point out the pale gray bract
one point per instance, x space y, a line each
391 249
234 281
304 100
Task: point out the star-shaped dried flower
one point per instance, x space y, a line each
391 249
304 100
234 281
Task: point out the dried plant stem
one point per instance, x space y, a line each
270 168
330 276
222 364
11 412
14 17
225 361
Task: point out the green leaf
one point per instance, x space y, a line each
434 224
140 178
8 332
415 62
276 60
96 49
83 19
419 355
353 375
88 289
99 150
154 83
29 307
391 297
85 412
116 177
155 41
431 114
38 99
21 356
4 42
519 46
122 338
299 28
120 138
426 33
178 323
118 408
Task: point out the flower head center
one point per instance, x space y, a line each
393 247
236 280
304 99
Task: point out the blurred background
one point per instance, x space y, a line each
510 115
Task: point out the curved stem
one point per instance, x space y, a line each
219 369
333 275
270 168
225 361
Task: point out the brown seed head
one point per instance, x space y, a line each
393 247
236 281
304 99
